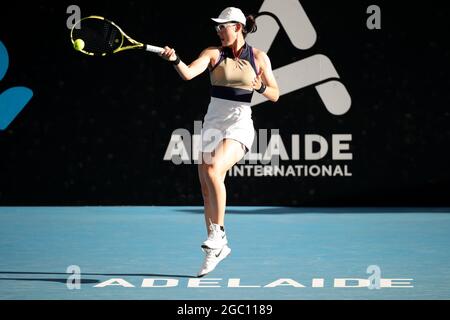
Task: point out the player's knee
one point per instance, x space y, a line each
212 172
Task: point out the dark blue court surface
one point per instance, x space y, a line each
287 253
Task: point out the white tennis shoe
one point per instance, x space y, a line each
212 259
216 238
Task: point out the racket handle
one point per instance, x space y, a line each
154 49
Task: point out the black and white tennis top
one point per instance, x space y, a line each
231 78
229 114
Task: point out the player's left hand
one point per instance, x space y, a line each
257 82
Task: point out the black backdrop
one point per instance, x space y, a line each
96 130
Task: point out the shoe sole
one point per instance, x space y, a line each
226 255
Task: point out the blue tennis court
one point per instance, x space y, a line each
277 253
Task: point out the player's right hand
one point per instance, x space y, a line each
168 54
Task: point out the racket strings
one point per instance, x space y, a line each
111 36
99 36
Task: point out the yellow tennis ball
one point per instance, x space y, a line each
78 44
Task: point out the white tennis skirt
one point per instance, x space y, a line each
226 119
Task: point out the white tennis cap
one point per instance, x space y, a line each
231 14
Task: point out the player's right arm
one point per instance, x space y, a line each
198 66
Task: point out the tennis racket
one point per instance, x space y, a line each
97 36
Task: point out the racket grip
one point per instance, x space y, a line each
154 49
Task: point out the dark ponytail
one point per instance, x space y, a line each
250 26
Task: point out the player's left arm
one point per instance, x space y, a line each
266 76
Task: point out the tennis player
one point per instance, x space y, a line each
236 71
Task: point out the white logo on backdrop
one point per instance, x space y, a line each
317 70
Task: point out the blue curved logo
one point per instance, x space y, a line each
13 100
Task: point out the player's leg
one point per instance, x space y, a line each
205 194
213 170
